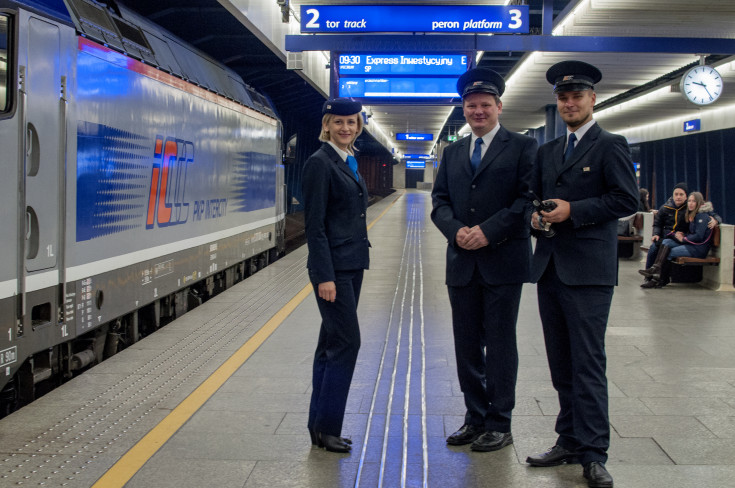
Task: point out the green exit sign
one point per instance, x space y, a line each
452 138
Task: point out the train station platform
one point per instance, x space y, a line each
219 397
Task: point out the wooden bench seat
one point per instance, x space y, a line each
711 260
684 261
629 246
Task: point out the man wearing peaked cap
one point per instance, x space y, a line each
588 175
479 204
480 80
573 76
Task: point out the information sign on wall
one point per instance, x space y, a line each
692 125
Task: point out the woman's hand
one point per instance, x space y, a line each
712 223
328 291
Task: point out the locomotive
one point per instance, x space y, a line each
143 178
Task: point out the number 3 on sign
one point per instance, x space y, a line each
515 17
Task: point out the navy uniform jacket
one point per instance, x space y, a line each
599 183
495 198
335 208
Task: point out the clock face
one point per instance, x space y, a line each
702 85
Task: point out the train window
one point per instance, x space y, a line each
289 155
4 68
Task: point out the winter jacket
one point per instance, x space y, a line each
699 238
670 219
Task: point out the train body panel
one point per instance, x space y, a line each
126 192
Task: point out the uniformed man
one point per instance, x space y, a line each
588 175
480 205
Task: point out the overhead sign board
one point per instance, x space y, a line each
467 19
409 136
388 87
402 64
417 156
415 164
399 78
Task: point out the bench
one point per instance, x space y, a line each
711 260
717 268
629 246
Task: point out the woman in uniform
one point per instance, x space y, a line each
335 207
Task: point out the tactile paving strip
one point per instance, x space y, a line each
63 452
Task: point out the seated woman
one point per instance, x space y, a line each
695 244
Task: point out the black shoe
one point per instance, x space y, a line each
553 457
597 476
315 442
332 443
492 441
650 283
465 435
647 272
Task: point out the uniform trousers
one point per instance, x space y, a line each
484 321
336 353
574 320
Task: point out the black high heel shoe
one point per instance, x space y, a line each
332 443
315 440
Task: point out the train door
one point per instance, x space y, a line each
43 146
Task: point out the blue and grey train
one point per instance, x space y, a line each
139 177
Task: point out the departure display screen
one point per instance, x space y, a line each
399 78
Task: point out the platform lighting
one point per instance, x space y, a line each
375 125
568 19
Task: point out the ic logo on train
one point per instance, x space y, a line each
167 202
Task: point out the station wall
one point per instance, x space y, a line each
706 161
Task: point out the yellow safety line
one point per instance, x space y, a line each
126 467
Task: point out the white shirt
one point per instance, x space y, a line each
342 154
579 133
486 140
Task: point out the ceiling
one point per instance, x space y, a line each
207 25
527 93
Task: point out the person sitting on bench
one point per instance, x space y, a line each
668 219
695 244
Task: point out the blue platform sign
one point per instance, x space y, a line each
402 64
417 156
692 125
409 136
415 164
466 19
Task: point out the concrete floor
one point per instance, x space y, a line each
671 371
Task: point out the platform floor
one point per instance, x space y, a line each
213 400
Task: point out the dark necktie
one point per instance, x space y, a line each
476 154
570 146
352 163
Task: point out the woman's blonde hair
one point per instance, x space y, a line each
699 198
324 135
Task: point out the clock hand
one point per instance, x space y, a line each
699 83
708 93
